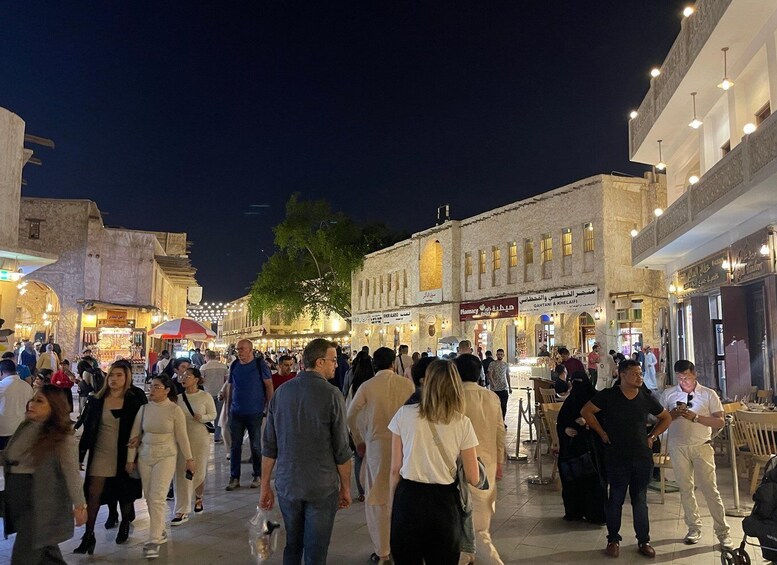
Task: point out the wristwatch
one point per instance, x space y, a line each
652 436
695 419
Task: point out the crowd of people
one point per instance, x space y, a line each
422 437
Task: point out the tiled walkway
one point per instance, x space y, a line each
527 527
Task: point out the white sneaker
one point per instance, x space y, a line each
692 537
151 551
725 542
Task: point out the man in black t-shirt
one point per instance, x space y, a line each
628 450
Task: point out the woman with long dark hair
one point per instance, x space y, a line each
160 432
107 419
583 490
43 487
426 520
362 372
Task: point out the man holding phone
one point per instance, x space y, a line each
696 411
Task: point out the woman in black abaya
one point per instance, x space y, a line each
580 457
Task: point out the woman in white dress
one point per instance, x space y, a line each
198 408
160 432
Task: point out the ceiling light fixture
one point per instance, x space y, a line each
658 212
688 11
634 232
633 114
660 165
693 179
764 249
725 84
655 71
696 122
749 128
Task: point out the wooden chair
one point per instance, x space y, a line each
663 462
762 440
549 396
720 441
764 396
550 413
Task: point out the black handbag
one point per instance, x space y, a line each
208 425
577 467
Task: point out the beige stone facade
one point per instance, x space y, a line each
561 242
271 332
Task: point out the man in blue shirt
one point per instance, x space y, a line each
249 392
306 435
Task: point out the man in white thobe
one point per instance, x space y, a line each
483 408
650 369
369 415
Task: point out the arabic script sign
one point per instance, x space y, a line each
383 318
703 275
570 299
430 296
747 261
500 308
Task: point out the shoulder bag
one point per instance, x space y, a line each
208 425
467 544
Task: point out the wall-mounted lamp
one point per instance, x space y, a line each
725 84
764 249
634 232
693 179
672 288
366 333
598 314
515 322
413 327
660 165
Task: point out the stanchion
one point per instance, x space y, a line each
520 457
528 415
738 511
538 479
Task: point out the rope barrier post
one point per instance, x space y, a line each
520 457
738 511
538 479
529 416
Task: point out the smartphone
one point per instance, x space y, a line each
681 404
189 475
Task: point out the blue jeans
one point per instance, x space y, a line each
309 526
238 424
634 475
219 405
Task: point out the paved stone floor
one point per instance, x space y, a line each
527 527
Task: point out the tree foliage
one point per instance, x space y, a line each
317 249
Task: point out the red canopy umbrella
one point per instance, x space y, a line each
182 328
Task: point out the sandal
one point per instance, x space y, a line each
198 504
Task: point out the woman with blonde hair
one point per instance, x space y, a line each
42 484
428 439
198 409
107 419
160 433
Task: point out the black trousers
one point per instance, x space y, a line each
504 396
425 524
18 491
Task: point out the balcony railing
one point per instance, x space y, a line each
694 33
739 167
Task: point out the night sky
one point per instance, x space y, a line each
178 116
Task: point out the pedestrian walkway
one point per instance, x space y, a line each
527 527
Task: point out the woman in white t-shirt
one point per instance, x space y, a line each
426 515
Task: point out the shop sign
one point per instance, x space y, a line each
116 318
703 275
400 317
581 298
194 294
360 319
500 308
747 261
430 296
376 318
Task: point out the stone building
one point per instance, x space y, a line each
108 286
706 120
554 269
73 278
272 333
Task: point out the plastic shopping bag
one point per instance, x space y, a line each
263 533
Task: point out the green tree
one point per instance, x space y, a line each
317 249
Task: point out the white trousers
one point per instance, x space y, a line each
483 508
695 465
379 526
184 488
155 475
